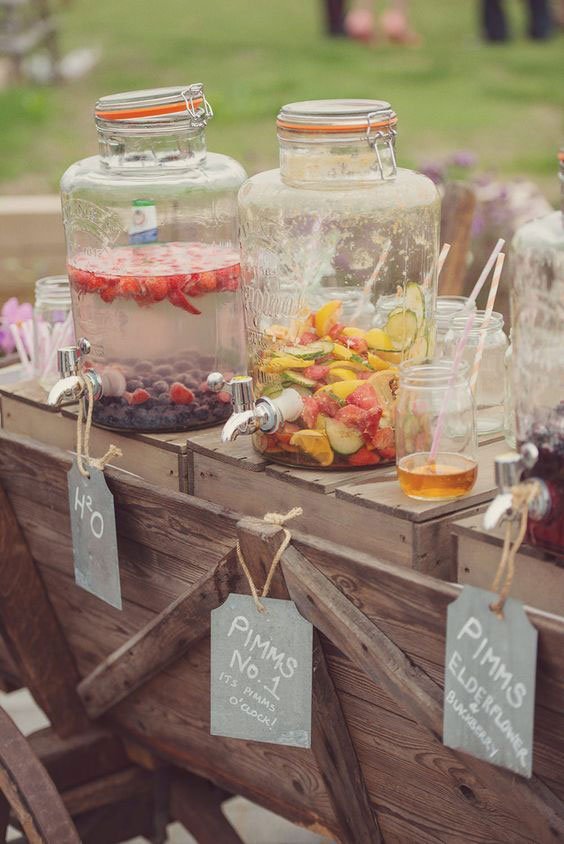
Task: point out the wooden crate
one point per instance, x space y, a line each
362 510
539 576
377 770
159 458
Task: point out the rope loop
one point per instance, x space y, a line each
274 519
83 429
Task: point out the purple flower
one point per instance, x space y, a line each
463 158
434 171
12 312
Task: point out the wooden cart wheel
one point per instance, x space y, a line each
31 793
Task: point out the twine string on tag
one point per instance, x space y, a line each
83 429
522 495
273 519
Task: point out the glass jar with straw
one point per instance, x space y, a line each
436 441
490 383
52 326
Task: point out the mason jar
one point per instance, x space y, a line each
432 398
52 326
153 259
339 254
446 308
490 386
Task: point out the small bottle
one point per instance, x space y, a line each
52 326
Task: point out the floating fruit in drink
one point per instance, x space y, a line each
348 380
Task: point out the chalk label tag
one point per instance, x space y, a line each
94 541
490 674
261 666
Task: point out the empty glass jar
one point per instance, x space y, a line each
338 256
52 326
490 387
153 259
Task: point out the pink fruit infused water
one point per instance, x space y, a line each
160 318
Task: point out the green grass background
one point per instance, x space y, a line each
503 102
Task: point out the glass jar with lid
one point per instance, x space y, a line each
52 326
338 256
537 312
490 386
152 241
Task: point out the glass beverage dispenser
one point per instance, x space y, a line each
537 366
338 259
152 241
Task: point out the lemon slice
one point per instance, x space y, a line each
340 374
378 340
342 389
315 444
382 383
377 362
327 316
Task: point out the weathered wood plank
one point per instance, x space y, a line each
196 803
30 792
387 498
31 630
365 644
331 744
72 761
162 641
104 791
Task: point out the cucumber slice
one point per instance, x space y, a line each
401 328
414 300
418 350
343 440
289 377
272 390
302 391
310 352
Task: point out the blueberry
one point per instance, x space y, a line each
163 400
143 366
182 365
201 414
133 384
160 386
164 369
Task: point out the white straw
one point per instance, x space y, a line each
56 340
26 328
20 347
486 321
483 276
369 284
446 398
442 257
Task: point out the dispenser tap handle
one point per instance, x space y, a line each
240 387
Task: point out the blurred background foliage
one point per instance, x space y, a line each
504 103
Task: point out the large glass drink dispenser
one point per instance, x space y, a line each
537 303
338 258
153 260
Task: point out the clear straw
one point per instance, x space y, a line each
461 345
486 321
483 275
369 284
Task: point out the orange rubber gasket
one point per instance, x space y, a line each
148 111
301 127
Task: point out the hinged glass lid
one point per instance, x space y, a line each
185 102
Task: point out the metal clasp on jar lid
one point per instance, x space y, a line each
381 135
197 105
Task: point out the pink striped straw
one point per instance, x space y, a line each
443 411
486 321
483 275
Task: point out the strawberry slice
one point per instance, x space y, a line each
326 404
307 338
139 396
317 372
286 432
357 344
354 417
364 396
179 394
310 411
177 298
364 457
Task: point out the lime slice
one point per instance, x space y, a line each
414 300
401 327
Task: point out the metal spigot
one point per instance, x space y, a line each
70 387
509 470
250 416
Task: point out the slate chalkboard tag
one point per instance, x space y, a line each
94 541
490 674
261 667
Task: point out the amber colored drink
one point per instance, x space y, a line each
448 476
